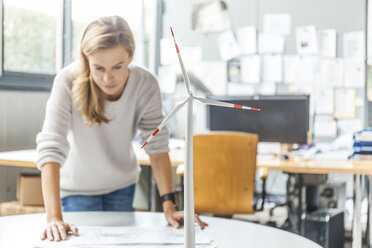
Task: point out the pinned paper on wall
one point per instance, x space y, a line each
291 67
167 56
167 79
250 68
267 88
325 126
307 89
306 40
233 70
210 16
277 24
227 45
327 43
270 43
292 88
359 101
354 45
354 70
215 81
272 68
331 72
239 89
247 39
193 53
307 69
324 101
344 103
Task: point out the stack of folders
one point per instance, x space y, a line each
362 145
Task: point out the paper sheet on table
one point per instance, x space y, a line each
325 126
344 103
277 24
306 40
353 45
250 69
291 67
327 43
247 39
324 101
354 70
270 43
227 45
103 236
272 68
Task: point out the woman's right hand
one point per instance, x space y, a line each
57 230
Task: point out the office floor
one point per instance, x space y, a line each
280 214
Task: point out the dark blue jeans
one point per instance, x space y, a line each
119 200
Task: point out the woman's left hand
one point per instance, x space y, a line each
175 218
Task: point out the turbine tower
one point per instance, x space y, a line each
189 210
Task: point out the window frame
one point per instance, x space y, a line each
23 81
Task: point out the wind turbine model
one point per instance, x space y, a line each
189 181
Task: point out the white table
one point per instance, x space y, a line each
25 230
26 158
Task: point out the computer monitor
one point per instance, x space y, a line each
282 118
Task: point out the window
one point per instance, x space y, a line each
30 36
130 10
41 36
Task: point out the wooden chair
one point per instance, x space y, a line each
224 172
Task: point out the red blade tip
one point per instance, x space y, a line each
156 131
144 144
257 109
172 31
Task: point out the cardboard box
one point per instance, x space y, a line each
15 208
29 190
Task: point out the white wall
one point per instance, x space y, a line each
342 15
21 118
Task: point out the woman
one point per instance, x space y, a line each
94 111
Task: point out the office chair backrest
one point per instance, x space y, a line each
224 172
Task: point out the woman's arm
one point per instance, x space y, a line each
161 167
53 149
51 195
56 229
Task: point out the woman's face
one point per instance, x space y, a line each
109 69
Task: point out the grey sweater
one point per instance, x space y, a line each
99 160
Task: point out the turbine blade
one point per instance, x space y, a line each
165 121
184 73
224 104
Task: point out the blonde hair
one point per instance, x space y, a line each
104 33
